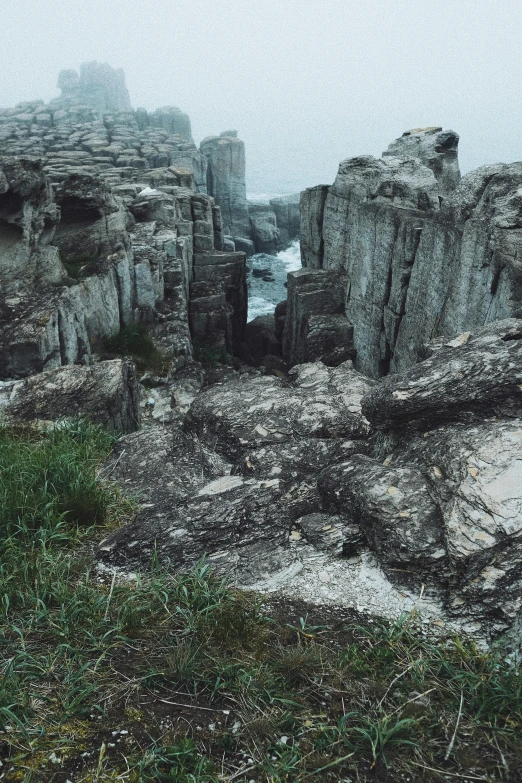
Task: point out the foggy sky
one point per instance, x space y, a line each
306 83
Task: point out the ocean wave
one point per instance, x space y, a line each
267 279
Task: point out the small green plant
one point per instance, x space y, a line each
135 342
385 732
206 354
181 762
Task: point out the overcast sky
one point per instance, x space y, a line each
306 83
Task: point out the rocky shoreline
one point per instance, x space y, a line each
372 425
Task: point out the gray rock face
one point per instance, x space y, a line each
422 256
441 493
225 155
435 491
437 149
106 393
264 228
392 506
241 524
287 212
312 205
315 325
471 376
322 403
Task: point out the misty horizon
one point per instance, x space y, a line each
305 84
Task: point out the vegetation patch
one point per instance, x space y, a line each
208 354
183 678
135 342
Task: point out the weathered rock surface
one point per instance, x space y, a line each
392 506
264 228
473 375
106 393
436 148
424 254
315 325
322 402
85 260
287 213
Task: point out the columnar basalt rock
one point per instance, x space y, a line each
424 252
225 155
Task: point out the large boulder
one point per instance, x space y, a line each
475 374
393 507
106 393
437 149
246 413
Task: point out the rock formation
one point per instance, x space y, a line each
424 252
98 85
422 469
419 473
225 156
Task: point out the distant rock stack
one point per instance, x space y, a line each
97 85
225 156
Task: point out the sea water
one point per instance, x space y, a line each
266 279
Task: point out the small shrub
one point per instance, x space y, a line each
135 342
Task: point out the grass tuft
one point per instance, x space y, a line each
135 342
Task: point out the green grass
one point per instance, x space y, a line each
207 354
135 342
206 683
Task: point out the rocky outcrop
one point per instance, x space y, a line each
484 379
107 393
436 149
225 156
273 438
315 324
264 229
423 470
82 263
321 402
441 493
287 213
423 254
97 85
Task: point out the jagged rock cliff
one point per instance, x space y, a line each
81 260
424 252
225 156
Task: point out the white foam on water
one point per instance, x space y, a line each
265 294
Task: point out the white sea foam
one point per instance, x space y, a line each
265 291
